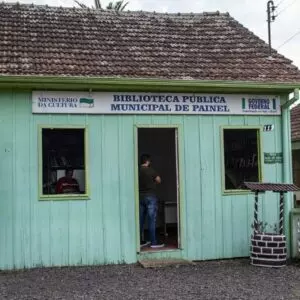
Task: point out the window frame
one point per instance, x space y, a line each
44 197
258 129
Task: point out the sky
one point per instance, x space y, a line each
251 13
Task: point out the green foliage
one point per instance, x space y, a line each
98 4
264 227
117 6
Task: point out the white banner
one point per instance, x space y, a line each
150 103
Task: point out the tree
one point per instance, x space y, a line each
117 6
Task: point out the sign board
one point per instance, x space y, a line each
273 158
269 127
150 103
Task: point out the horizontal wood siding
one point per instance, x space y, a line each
102 230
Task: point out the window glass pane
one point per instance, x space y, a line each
63 161
240 157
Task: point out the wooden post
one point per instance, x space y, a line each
256 212
281 213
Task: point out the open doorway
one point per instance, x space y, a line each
162 145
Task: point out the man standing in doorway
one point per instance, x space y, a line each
148 179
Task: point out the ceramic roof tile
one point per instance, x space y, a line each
295 123
42 40
275 187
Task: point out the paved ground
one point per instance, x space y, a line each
234 279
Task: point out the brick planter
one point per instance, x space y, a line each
268 250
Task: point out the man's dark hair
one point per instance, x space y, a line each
69 169
144 158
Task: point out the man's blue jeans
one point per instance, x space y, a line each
148 207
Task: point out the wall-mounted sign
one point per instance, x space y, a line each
269 127
150 103
273 158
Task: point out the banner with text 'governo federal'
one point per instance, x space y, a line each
153 103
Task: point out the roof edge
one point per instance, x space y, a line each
76 7
111 83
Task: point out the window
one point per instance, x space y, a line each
241 157
63 164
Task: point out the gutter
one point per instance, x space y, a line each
290 102
287 176
142 84
286 137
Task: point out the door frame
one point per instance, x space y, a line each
180 186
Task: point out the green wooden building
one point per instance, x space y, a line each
92 90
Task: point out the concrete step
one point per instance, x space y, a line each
164 262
